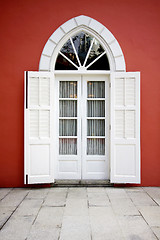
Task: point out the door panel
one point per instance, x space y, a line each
68 128
96 127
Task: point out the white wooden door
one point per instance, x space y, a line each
82 127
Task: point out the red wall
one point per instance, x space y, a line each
26 26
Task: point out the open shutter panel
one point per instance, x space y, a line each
125 127
38 128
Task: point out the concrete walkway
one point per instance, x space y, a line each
80 214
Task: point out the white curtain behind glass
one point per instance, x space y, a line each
95 127
67 108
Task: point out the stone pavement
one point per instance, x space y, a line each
80 213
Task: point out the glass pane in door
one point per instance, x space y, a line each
95 108
96 117
95 146
96 89
68 89
68 127
68 117
68 108
67 146
96 127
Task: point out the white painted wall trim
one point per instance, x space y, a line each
114 51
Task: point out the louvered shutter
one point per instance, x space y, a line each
125 127
38 127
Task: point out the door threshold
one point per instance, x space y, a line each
82 183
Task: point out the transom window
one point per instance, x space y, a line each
82 51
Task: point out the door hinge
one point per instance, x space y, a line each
109 84
110 127
27 179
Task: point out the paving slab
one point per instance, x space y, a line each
151 214
75 227
104 225
17 228
77 193
58 189
42 232
14 198
141 199
76 207
135 227
98 199
38 193
28 207
50 217
116 193
55 199
96 190
124 206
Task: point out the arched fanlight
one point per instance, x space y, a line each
82 50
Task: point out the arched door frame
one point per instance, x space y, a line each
124 107
71 27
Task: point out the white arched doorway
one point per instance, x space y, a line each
82 109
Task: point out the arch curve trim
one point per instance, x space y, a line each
100 29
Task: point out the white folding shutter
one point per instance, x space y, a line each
38 127
125 127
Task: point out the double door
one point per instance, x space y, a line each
82 127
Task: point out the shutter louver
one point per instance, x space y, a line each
125 131
38 129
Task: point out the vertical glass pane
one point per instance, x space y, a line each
82 42
96 51
67 146
68 89
63 64
96 127
67 108
68 51
101 64
95 89
95 146
96 108
67 127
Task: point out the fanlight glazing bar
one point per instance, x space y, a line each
75 52
88 52
68 60
96 59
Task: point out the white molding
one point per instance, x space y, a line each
113 49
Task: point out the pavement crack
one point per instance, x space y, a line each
38 212
6 194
